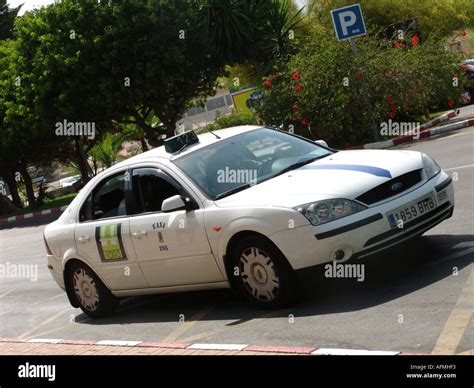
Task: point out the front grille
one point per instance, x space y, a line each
385 190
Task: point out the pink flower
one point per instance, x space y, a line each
390 100
296 76
297 88
305 121
267 84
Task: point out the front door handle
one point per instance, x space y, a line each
83 238
139 234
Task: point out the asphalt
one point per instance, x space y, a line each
416 298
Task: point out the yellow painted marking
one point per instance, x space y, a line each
188 324
458 320
226 327
45 322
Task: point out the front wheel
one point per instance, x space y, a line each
91 294
261 272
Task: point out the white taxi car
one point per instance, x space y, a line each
244 207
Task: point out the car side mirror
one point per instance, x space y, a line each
322 142
171 204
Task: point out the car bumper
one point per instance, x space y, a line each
55 269
366 232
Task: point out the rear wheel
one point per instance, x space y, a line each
261 272
91 294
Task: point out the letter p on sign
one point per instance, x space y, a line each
348 22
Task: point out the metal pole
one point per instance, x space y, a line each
370 110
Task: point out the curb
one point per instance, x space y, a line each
424 133
41 213
298 350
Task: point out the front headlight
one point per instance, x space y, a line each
320 212
430 167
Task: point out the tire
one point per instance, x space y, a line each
92 296
264 276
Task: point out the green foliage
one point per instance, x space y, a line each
250 30
403 83
442 16
229 121
7 19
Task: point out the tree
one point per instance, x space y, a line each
442 16
7 19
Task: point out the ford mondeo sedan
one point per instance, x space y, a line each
244 207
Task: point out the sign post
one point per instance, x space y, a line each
349 23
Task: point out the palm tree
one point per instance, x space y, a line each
241 30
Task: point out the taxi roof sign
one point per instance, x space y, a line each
177 143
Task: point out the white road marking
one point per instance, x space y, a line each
6 293
45 340
118 343
217 346
458 168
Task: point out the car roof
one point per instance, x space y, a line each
205 139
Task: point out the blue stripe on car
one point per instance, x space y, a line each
353 167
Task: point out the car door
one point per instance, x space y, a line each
102 235
172 248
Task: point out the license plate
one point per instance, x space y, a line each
401 216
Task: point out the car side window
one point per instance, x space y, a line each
150 189
107 200
85 213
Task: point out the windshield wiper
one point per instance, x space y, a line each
299 164
232 191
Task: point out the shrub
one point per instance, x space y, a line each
319 93
229 121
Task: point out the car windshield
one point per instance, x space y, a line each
241 161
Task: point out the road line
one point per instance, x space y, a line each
41 334
458 168
6 293
187 325
229 325
45 322
458 320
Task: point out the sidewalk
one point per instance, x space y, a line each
9 348
55 347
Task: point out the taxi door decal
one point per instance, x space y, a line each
109 242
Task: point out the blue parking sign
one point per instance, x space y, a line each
348 22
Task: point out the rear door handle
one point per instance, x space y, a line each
83 238
139 234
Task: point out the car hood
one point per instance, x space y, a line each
345 174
